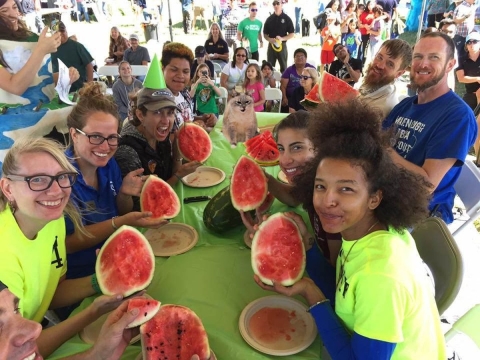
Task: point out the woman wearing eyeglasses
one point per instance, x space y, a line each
234 71
308 79
104 199
35 194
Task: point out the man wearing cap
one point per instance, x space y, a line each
278 29
72 54
200 58
464 17
136 54
345 67
434 129
250 29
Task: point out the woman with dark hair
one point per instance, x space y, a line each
216 46
176 62
125 85
234 72
349 14
384 304
118 45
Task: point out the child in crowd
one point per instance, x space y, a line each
330 35
254 86
203 90
267 72
375 31
353 39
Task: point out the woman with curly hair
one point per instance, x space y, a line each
384 304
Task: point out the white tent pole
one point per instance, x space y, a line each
420 22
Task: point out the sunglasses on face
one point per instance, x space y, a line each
241 55
469 42
276 3
253 10
305 77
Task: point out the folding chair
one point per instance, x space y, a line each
467 325
217 68
273 94
467 188
222 100
277 75
439 251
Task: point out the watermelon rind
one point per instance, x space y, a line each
278 253
148 308
265 142
248 186
125 263
175 332
196 138
154 201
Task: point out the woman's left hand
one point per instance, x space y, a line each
73 74
132 183
188 168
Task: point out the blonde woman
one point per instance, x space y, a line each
307 81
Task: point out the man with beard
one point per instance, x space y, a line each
345 67
435 128
378 88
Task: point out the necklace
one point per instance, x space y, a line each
342 266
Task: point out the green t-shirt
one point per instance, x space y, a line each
385 295
250 30
205 99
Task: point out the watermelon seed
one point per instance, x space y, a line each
145 314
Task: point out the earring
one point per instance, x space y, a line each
12 205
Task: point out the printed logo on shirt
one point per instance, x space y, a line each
112 187
282 21
152 164
205 95
58 261
406 136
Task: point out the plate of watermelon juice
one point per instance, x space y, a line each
204 176
277 325
172 239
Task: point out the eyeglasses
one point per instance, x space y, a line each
95 139
44 182
241 55
275 3
253 10
304 77
469 42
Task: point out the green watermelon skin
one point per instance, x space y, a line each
219 215
278 253
174 333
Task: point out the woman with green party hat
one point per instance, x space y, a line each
146 140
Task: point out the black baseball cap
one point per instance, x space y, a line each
200 51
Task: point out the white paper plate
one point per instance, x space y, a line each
282 177
172 239
204 176
212 356
277 325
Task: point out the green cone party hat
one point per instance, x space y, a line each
154 78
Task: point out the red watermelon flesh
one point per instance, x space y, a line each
174 333
266 204
194 143
267 155
147 308
278 253
313 96
125 263
333 89
253 141
248 188
159 198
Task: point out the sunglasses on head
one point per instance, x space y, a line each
305 77
472 42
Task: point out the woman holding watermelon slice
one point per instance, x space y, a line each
384 305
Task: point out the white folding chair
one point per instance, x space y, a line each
222 99
273 94
253 61
108 70
139 70
217 68
440 252
467 188
277 75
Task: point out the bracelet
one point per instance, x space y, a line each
178 177
95 286
114 226
179 159
318 303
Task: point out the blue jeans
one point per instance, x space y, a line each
82 11
298 19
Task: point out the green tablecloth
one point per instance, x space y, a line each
215 278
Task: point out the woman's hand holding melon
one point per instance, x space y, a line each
140 219
187 168
306 237
304 287
132 183
251 223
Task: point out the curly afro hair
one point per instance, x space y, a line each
352 131
176 50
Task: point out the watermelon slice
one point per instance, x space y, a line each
148 308
125 263
194 143
159 198
248 187
329 88
175 333
264 149
278 253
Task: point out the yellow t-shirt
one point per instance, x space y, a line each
385 295
32 268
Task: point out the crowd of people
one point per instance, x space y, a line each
365 171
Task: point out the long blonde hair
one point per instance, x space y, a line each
40 145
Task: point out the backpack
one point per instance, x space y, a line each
320 21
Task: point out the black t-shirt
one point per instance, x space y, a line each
297 96
339 70
471 68
278 25
195 65
220 47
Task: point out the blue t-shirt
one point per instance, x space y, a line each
440 129
95 206
351 44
